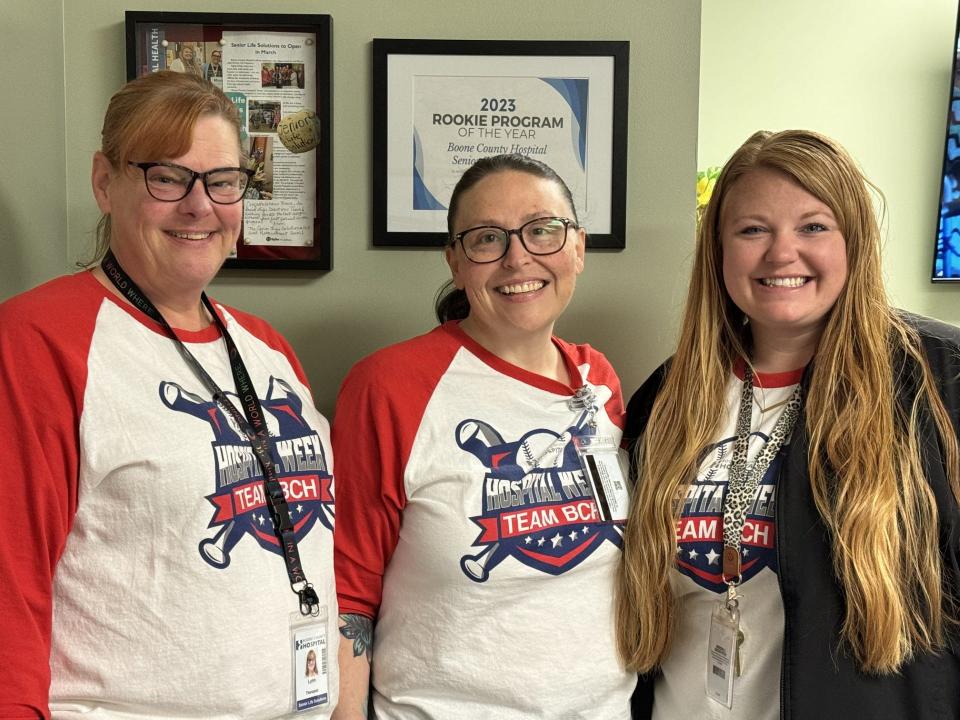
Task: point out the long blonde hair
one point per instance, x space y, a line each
865 455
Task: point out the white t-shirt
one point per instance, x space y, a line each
477 549
135 516
680 694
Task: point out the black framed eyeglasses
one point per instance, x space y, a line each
169 182
489 243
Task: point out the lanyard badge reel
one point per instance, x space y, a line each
601 460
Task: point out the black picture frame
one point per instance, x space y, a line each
143 29
396 224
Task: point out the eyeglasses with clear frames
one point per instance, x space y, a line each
489 243
169 183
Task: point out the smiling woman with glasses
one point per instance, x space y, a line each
145 489
467 534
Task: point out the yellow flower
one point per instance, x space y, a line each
706 180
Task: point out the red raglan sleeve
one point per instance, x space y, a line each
379 409
602 373
370 453
43 348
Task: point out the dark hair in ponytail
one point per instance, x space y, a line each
451 302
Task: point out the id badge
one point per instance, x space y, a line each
722 654
602 466
308 642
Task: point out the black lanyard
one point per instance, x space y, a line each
252 421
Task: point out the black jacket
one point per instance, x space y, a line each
819 677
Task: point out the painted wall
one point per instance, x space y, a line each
875 75
626 303
33 190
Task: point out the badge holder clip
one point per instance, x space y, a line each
310 656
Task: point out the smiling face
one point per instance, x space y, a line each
172 249
784 258
186 52
519 296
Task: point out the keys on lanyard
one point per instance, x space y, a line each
723 649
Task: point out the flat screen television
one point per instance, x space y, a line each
946 257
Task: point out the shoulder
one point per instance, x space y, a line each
583 352
641 403
254 325
425 355
46 295
394 384
941 341
46 333
267 334
57 305
934 332
601 371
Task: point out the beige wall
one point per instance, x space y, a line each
874 74
33 218
626 302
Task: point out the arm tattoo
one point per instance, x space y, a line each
358 628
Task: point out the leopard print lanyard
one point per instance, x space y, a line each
743 477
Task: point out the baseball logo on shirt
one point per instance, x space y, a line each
238 495
537 506
700 527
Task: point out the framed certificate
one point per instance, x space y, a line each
276 69
440 105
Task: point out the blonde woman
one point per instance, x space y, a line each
793 550
186 61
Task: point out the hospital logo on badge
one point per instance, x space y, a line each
238 499
537 506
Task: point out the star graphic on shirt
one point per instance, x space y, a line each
528 540
712 556
585 529
679 549
541 541
572 535
557 540
693 554
299 508
259 518
746 551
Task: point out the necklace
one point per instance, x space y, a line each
767 408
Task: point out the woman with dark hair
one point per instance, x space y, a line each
474 570
798 477
169 470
